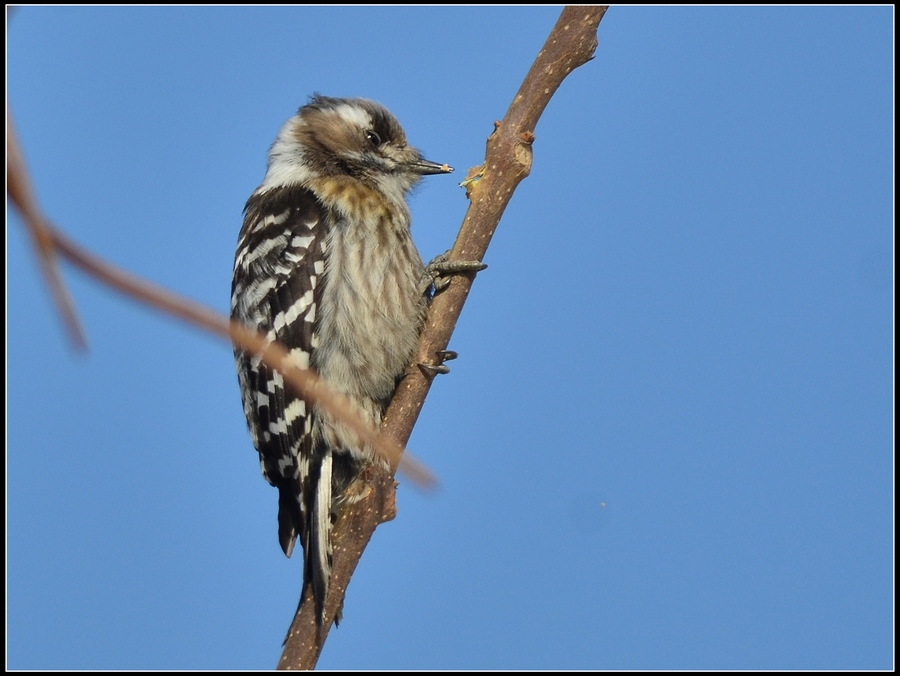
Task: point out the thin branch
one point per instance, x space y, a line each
508 160
271 353
18 187
490 187
49 242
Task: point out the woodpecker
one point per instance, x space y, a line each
326 265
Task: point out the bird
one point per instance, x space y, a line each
326 265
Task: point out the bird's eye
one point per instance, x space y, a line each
373 138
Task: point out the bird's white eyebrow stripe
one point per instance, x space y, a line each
354 115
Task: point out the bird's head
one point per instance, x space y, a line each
354 139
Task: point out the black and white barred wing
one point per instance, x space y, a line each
278 275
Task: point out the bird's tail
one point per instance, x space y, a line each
310 514
307 514
317 553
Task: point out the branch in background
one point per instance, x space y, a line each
49 242
18 187
508 160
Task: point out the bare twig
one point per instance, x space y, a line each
49 242
272 354
490 187
18 187
508 160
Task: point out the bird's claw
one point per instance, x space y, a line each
434 370
440 367
439 271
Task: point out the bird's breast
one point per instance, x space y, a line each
372 308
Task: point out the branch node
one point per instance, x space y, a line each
470 183
524 155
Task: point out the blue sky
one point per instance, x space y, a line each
668 440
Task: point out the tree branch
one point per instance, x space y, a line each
18 187
490 187
50 242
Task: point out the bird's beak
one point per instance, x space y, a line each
426 167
